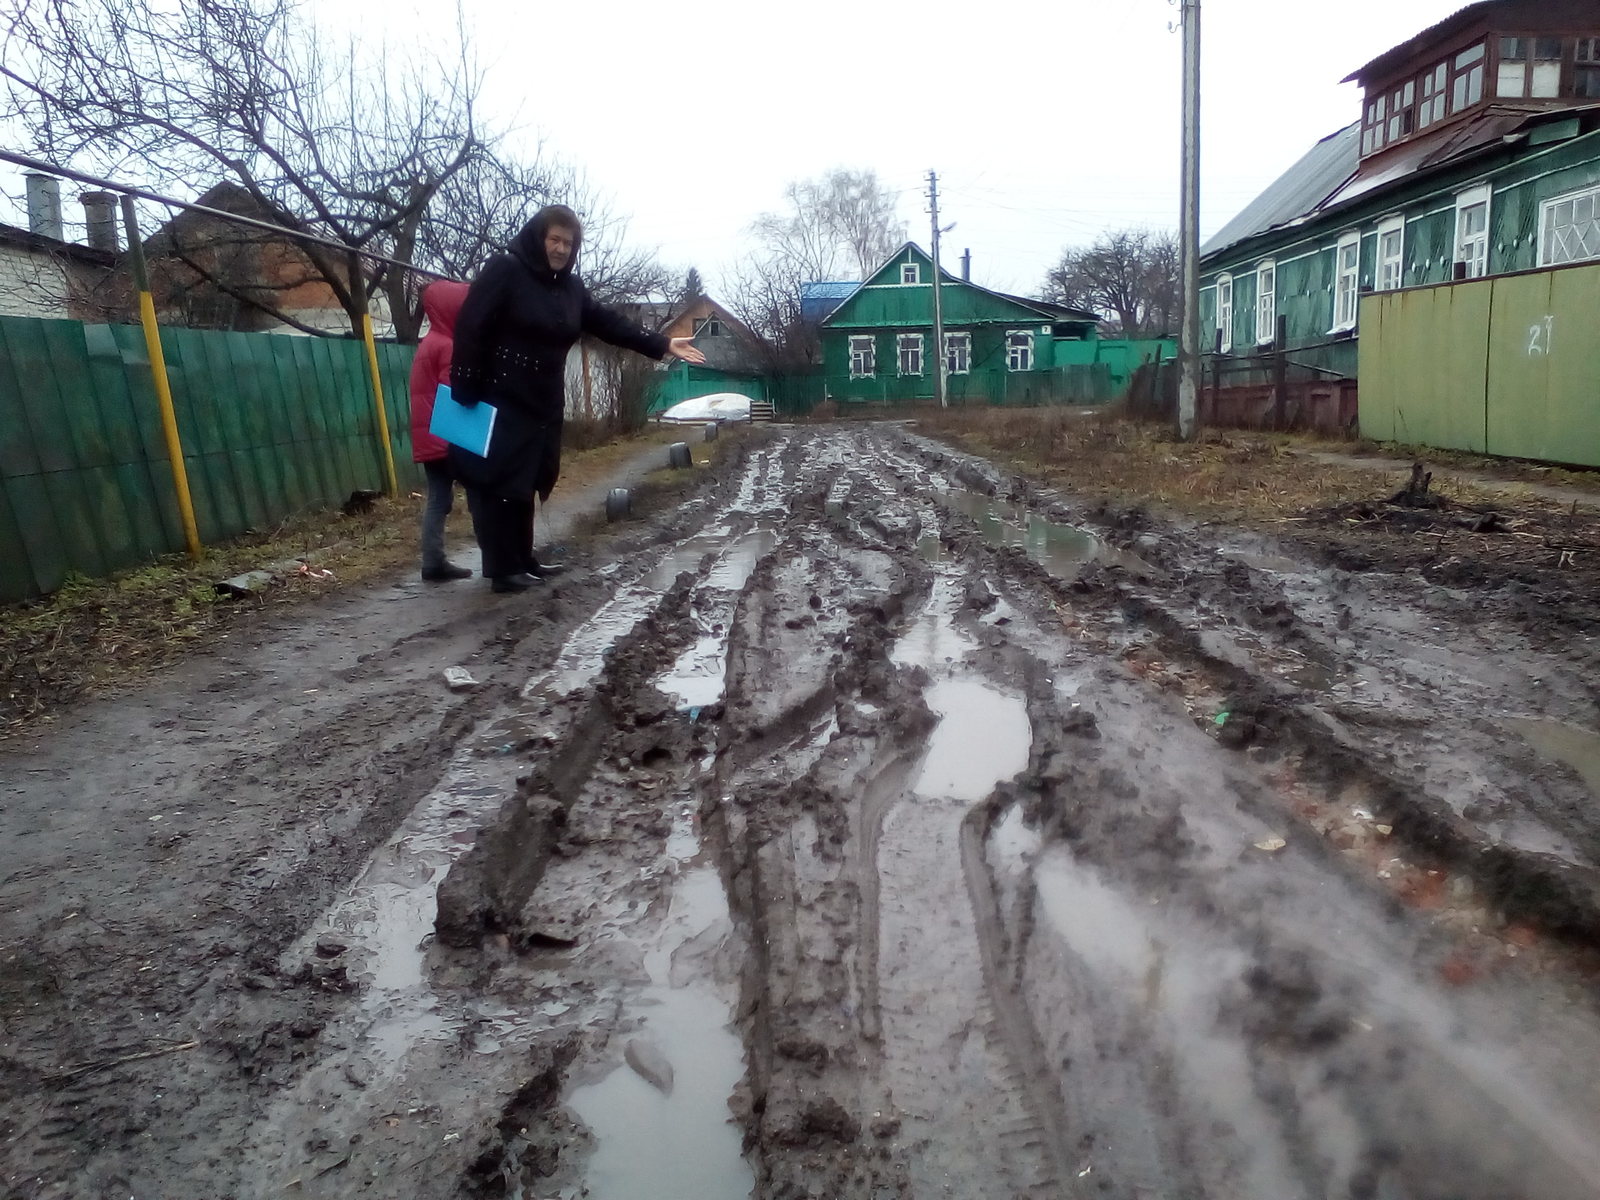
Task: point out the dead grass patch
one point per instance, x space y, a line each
1223 475
95 635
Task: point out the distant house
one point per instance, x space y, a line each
724 339
207 272
1477 153
878 343
819 299
44 275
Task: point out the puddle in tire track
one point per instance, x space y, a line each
1062 550
675 1135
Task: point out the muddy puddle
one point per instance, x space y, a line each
1576 747
660 1117
696 679
982 738
374 938
1063 550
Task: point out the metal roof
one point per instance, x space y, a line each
1298 192
1397 55
828 289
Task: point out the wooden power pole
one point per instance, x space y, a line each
938 305
1189 237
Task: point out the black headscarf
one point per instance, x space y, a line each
528 246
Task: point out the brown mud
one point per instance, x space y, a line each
872 823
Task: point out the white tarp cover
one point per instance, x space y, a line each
719 406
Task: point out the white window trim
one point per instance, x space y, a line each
915 270
1266 331
1395 224
966 340
1482 194
1011 333
1346 240
900 348
872 341
1225 328
1544 215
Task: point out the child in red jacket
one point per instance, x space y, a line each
441 301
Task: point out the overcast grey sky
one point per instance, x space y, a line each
1048 120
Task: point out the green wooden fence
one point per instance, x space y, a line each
1506 366
271 425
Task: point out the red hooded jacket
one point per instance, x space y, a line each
442 301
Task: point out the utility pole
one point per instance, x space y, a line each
1189 237
938 305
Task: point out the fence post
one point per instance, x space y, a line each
358 285
1280 375
158 375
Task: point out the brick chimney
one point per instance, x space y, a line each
100 213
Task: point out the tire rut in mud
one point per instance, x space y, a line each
874 800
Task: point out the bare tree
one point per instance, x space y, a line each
246 90
1130 275
841 226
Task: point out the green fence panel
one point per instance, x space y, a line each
19 453
218 512
1506 366
48 556
1544 394
17 580
1423 362
271 425
148 444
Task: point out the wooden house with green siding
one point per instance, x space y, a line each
999 349
1477 154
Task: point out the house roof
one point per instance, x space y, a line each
1332 175
829 289
1298 192
1044 308
1397 56
38 243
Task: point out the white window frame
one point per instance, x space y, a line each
863 356
1391 267
908 343
958 348
1546 211
1019 355
910 273
1346 283
1478 260
1266 303
1225 312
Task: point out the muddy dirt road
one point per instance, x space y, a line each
871 824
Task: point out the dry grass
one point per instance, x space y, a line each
1224 475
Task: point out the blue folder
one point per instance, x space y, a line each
467 426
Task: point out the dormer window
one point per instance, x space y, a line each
1431 110
1586 73
1467 79
1530 68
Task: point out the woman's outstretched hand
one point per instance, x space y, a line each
685 349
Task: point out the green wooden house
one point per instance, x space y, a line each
1477 153
999 349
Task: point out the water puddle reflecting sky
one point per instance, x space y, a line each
654 1143
982 738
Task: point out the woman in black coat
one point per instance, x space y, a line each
522 315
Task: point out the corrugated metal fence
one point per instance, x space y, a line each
1507 366
271 425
